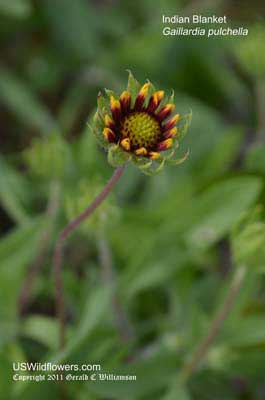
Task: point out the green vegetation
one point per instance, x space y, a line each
166 280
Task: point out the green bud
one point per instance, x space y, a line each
48 157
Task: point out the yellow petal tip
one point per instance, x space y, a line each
154 155
126 144
141 151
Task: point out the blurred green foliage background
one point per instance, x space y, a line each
144 277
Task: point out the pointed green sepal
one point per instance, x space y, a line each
111 93
183 125
171 98
133 86
179 161
117 156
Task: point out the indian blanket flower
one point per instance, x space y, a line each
140 125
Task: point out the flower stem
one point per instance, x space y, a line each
58 252
216 325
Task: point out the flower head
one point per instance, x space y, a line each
140 126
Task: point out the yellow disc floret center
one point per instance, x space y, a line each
142 130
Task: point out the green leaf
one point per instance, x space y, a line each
217 209
14 192
16 252
95 309
177 391
255 159
250 52
74 27
248 239
251 328
10 353
152 374
249 364
43 330
72 106
150 276
222 155
15 8
17 96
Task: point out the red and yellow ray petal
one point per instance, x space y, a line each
165 111
171 123
165 145
115 107
141 151
109 135
140 99
155 100
109 123
126 144
125 100
170 133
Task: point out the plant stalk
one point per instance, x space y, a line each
58 252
